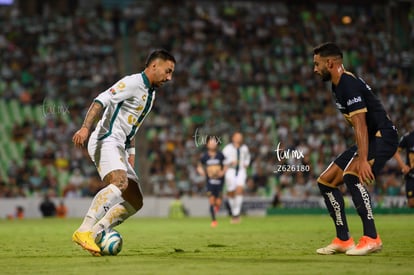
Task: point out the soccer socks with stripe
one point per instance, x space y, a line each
334 201
101 203
362 203
116 215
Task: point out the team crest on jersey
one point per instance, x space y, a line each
112 91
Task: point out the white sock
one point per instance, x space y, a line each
232 203
238 201
101 203
115 216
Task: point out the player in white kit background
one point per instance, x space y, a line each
237 159
111 146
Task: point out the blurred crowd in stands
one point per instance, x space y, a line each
241 65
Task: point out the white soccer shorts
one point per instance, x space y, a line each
109 156
232 180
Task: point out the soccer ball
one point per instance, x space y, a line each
110 242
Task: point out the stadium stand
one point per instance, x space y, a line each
241 65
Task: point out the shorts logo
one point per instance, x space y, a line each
353 100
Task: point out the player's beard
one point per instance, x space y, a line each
158 84
326 75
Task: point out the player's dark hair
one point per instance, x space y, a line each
211 138
328 49
161 54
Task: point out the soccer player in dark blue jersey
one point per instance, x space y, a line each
407 168
376 141
211 165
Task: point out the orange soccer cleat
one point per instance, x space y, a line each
337 246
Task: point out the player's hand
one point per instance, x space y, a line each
80 137
365 172
405 169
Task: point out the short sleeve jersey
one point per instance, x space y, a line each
126 104
211 164
352 95
242 160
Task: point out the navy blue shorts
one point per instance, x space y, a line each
381 149
214 190
343 159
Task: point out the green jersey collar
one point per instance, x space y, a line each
146 80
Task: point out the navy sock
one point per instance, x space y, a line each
362 203
212 213
336 207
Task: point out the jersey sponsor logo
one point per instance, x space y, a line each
133 120
353 100
213 161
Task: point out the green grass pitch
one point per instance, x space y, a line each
259 245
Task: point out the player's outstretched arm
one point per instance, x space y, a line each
82 134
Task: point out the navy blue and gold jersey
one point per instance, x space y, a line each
407 144
213 165
353 95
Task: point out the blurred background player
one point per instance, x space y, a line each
211 165
237 159
112 147
376 141
407 168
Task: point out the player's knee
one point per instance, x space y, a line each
231 194
118 178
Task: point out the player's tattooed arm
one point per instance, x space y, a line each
82 134
92 115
